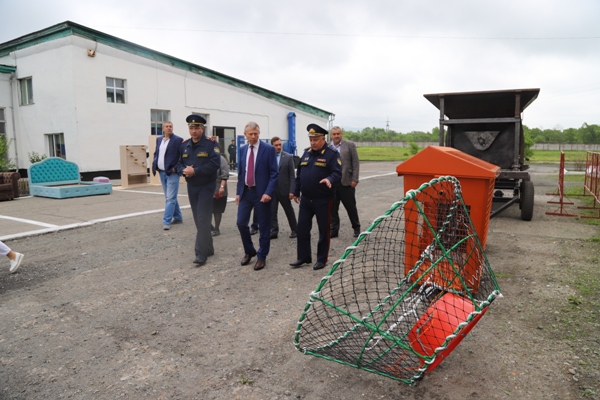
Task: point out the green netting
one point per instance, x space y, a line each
406 292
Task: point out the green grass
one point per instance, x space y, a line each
571 156
403 153
383 153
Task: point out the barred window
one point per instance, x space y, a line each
115 90
26 86
157 119
2 121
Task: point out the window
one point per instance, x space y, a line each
26 85
2 121
157 119
115 90
56 145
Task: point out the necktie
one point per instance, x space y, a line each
250 173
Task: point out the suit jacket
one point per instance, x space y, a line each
172 154
350 164
265 170
287 175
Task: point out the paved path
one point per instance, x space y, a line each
31 215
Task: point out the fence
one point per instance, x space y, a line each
591 182
560 192
537 146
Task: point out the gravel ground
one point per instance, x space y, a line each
117 310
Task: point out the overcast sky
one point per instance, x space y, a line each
365 61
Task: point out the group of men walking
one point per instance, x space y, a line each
326 175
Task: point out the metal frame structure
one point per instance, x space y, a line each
488 125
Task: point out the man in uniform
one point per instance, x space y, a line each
345 190
200 160
317 174
232 153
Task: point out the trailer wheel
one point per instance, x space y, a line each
526 201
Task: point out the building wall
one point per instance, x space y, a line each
5 102
69 89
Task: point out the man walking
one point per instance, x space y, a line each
166 157
200 160
284 191
345 190
257 179
232 153
318 173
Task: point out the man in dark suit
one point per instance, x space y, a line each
257 179
166 157
345 190
284 191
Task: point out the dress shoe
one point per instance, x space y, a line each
356 232
333 234
248 257
199 262
260 264
273 236
293 235
253 231
298 263
318 265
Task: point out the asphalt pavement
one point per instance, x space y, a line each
30 215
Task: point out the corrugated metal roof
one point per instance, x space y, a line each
71 28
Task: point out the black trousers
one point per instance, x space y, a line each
346 196
201 203
286 204
321 208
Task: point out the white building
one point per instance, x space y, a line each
78 93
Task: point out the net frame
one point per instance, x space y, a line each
436 295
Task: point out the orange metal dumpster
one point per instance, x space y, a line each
477 179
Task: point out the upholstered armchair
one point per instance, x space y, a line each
9 185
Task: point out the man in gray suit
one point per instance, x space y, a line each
345 191
284 191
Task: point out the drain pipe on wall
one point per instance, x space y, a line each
12 79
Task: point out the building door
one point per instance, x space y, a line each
225 135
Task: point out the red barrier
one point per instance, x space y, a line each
560 192
591 182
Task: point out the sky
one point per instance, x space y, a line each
367 62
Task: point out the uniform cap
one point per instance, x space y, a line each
315 130
195 119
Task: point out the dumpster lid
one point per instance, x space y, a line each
486 104
442 161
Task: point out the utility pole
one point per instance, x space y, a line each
387 125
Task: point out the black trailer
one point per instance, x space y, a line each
487 125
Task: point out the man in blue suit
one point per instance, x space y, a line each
166 157
257 179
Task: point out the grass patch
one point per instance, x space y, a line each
383 153
578 178
572 157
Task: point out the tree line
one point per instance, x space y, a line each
586 134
